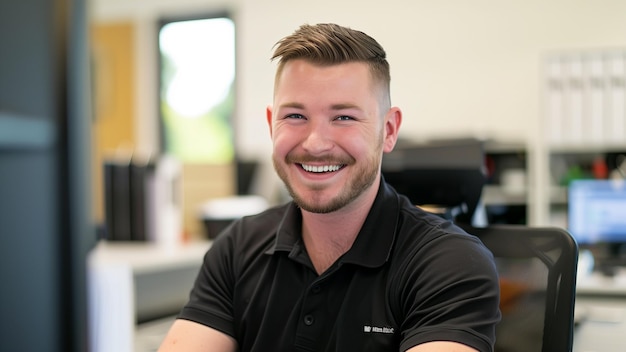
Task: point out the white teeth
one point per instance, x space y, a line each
324 168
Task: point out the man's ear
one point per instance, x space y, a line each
393 120
268 116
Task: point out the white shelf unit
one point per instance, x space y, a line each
584 118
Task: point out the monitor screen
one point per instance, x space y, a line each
597 211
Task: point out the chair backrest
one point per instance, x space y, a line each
537 268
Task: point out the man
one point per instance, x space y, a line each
349 265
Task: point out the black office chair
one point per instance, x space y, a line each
537 268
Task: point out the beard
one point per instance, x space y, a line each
362 177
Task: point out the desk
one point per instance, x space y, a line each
129 282
601 313
119 272
602 285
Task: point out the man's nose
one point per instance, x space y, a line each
318 139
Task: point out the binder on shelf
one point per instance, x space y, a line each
594 117
615 128
574 99
117 200
140 175
585 97
128 200
555 100
167 205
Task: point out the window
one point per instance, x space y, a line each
197 76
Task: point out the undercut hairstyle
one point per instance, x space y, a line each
328 44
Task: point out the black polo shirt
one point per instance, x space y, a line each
410 277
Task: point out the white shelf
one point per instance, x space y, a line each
558 194
498 195
145 257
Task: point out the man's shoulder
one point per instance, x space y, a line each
256 232
425 232
272 215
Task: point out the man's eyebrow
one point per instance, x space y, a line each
292 105
338 106
344 106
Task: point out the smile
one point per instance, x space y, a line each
321 168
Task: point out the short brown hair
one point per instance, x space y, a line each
330 44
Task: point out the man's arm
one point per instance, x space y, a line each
441 346
188 336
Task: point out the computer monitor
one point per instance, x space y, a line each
597 218
446 174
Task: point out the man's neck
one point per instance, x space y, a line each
328 236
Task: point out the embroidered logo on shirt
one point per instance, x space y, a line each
377 329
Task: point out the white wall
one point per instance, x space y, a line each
459 67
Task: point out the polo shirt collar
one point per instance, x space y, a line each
374 241
289 232
373 245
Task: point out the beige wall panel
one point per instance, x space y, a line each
202 183
113 81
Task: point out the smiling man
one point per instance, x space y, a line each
349 264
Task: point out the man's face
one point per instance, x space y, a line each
328 133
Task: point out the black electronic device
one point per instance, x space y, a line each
446 175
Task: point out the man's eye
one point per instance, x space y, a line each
344 118
294 116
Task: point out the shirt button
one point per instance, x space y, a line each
308 320
316 289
